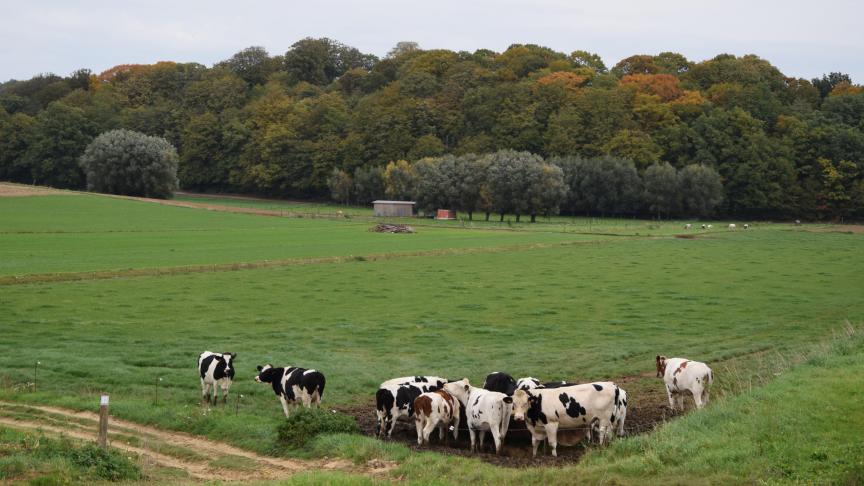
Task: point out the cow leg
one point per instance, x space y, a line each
456 425
496 438
205 392
225 387
418 423
392 426
671 400
482 438
603 428
705 397
697 395
285 406
534 443
427 430
680 398
473 435
505 421
552 437
441 433
383 423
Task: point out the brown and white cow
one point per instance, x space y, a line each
683 375
589 406
436 409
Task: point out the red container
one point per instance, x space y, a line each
445 214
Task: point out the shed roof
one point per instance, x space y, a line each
393 202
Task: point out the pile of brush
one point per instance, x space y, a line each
392 228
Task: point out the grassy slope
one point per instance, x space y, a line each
803 427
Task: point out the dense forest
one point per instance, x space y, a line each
298 124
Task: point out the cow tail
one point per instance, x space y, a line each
710 377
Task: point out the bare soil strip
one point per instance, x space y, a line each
9 189
227 267
266 467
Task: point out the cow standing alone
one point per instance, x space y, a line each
291 384
682 375
215 370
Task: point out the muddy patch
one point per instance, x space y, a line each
647 408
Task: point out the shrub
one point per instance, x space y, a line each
306 423
61 461
132 164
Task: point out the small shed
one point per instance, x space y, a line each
394 208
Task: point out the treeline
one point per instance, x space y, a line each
522 183
280 125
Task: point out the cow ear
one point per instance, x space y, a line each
658 357
260 367
508 399
233 355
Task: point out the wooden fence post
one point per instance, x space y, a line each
103 422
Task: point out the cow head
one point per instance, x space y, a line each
229 363
459 389
661 366
265 374
527 383
522 401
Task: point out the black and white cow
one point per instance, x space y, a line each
393 403
500 382
527 383
556 384
484 410
293 385
591 405
394 399
215 370
426 383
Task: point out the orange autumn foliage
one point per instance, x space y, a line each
568 80
665 86
845 88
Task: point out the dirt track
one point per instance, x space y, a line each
8 189
201 456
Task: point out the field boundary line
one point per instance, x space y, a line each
58 277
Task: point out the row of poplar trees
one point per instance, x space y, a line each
279 125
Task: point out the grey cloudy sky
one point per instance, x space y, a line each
803 39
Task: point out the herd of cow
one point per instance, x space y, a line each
731 227
432 402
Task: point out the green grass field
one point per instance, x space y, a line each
577 305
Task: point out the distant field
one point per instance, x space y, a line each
311 208
87 233
597 309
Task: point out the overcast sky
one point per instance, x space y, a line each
803 39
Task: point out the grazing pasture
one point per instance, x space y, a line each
543 302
